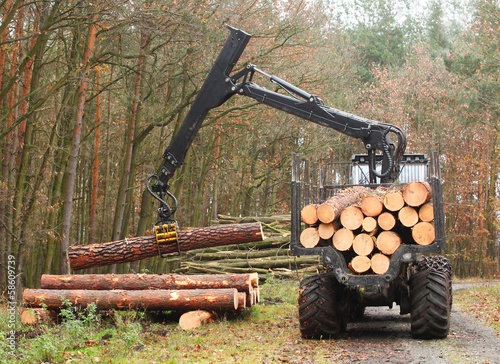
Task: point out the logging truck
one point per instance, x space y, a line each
362 267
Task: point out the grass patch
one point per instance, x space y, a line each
483 303
265 333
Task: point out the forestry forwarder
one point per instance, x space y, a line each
420 285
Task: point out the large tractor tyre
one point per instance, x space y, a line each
430 299
319 316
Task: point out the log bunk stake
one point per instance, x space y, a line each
368 226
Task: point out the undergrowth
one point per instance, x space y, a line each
483 303
266 333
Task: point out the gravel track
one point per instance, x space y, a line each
383 336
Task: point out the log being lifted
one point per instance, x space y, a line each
242 282
180 300
129 250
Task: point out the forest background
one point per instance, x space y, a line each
92 92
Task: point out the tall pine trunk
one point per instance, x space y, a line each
73 156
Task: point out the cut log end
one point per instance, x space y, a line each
326 231
386 221
426 212
372 205
351 218
369 225
393 201
342 239
387 242
36 316
360 264
193 319
380 263
423 233
309 238
309 214
363 244
326 214
416 194
408 216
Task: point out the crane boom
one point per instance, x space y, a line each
220 85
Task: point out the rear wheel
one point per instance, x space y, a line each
430 298
319 315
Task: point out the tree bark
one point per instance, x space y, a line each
333 207
95 165
189 299
73 155
242 282
129 250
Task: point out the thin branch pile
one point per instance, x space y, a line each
271 256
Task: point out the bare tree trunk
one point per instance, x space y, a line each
73 157
95 166
125 178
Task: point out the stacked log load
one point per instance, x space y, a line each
205 295
269 257
368 226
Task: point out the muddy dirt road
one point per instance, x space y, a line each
383 336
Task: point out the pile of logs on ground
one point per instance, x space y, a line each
367 226
200 297
269 257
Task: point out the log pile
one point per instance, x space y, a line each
211 294
269 257
368 226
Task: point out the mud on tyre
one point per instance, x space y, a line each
319 315
430 298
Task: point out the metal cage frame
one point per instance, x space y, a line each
304 192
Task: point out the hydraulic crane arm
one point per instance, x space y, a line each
220 85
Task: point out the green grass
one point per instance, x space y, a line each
266 333
483 303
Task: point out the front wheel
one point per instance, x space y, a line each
430 299
319 316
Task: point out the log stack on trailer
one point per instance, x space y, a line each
368 225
